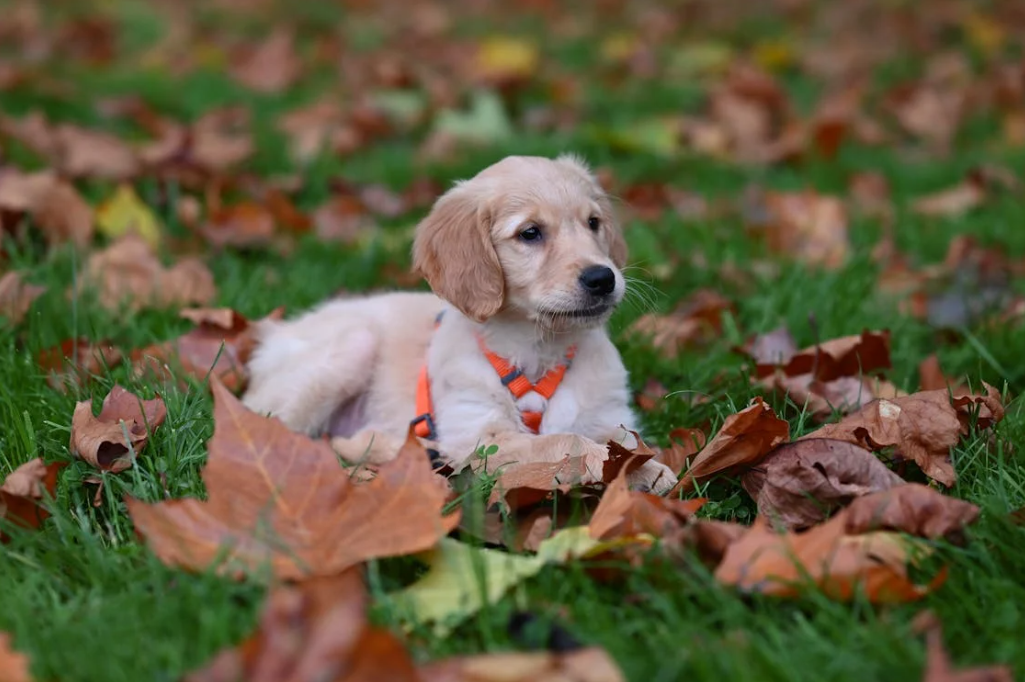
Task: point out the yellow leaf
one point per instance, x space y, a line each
774 55
507 58
462 578
984 34
123 213
618 47
706 58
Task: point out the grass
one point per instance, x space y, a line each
88 602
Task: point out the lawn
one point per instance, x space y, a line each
698 116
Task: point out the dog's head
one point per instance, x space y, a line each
530 236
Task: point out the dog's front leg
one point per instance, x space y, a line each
367 447
514 446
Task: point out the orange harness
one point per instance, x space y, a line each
512 378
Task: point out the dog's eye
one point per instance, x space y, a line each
531 234
594 223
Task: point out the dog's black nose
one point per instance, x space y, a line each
598 280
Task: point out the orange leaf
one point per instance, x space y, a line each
14 666
279 497
744 439
24 488
100 440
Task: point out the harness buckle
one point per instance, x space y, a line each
431 434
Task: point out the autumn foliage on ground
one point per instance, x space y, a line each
824 329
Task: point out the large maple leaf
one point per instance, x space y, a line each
280 498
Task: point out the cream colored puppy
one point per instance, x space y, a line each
524 261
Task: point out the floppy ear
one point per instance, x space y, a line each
452 250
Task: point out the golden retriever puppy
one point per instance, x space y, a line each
510 350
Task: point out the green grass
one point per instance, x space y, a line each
87 601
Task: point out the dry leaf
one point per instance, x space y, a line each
911 508
221 139
768 562
342 219
279 497
219 345
111 440
75 361
683 444
94 154
270 67
311 128
17 296
922 426
24 488
695 320
744 439
625 513
938 667
953 201
524 484
245 224
311 630
54 205
806 226
799 484
847 356
128 273
14 666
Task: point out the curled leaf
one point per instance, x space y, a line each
123 427
24 488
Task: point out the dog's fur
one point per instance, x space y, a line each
351 365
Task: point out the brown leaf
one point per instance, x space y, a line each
342 219
847 356
771 563
953 201
24 488
695 320
17 296
938 667
128 273
219 345
580 665
311 128
245 224
683 444
54 205
279 497
987 409
221 139
911 508
799 484
744 439
932 378
806 226
521 485
270 67
651 395
311 630
14 666
922 426
75 361
93 154
625 513
123 426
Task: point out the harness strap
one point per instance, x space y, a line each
512 378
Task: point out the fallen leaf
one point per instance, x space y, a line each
847 356
805 226
128 273
502 61
922 427
771 563
799 484
342 219
17 296
462 579
246 224
938 667
54 205
520 485
984 410
93 154
14 666
649 398
219 345
112 439
683 444
744 440
221 139
270 67
953 201
311 128
75 361
695 320
23 489
911 508
932 378
580 665
625 513
279 497
123 212
306 631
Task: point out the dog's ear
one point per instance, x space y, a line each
453 251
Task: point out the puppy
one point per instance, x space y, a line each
510 350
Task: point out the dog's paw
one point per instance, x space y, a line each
654 477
